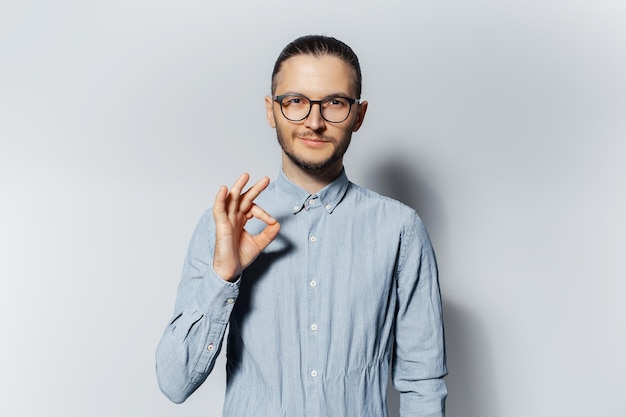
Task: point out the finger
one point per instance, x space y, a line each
219 207
234 193
267 235
251 194
262 215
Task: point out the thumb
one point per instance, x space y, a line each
267 235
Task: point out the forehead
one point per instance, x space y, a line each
315 76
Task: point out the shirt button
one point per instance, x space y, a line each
327 207
295 208
313 283
314 327
230 300
311 202
313 374
313 239
210 347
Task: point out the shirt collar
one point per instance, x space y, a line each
298 199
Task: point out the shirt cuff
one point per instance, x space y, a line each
219 296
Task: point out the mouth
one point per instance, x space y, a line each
312 141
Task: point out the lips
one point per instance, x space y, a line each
313 142
311 138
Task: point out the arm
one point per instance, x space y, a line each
419 356
219 251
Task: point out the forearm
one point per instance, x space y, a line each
419 355
426 399
192 340
418 375
186 354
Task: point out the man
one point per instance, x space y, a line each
321 292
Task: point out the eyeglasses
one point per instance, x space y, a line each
296 107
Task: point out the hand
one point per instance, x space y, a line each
235 248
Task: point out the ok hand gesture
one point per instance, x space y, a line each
235 248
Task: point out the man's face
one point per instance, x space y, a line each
315 144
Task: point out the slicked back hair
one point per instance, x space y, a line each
318 46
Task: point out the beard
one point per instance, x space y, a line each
314 166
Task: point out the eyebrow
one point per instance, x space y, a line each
337 94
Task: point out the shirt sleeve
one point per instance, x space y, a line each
193 338
419 360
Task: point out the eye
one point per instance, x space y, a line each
335 102
294 101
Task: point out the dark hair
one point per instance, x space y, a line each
318 46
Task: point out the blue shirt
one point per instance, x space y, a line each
314 320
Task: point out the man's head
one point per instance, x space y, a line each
315 108
319 45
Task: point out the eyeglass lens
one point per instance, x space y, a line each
333 109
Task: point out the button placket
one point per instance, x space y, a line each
315 210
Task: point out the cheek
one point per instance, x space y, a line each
356 123
284 132
346 131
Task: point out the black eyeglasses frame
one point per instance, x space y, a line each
279 100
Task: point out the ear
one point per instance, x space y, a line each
269 111
362 108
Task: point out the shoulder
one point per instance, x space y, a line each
393 213
369 198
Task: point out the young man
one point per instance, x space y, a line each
321 292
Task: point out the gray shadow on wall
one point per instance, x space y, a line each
396 178
471 389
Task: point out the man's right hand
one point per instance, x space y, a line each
235 248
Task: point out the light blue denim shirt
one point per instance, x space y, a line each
314 320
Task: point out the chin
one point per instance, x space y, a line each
315 166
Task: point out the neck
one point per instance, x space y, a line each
311 180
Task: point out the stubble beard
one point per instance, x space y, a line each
310 166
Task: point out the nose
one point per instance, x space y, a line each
315 121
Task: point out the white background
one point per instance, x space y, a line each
502 122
